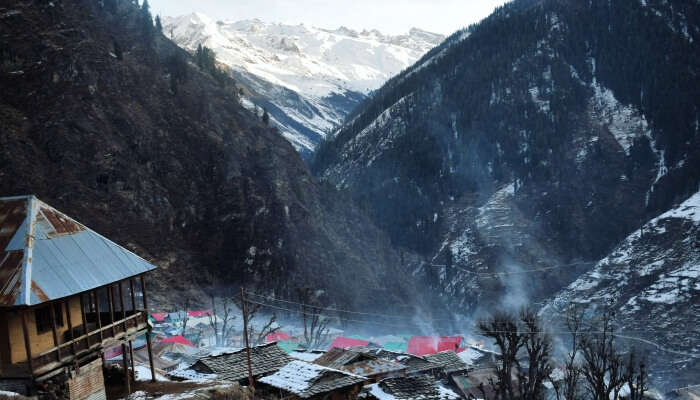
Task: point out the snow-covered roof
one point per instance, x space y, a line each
421 387
306 380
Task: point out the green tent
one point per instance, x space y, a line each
288 347
399 347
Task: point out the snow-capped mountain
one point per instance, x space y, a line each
308 78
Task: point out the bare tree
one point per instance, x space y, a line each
570 386
257 335
515 339
314 322
603 367
186 317
636 376
221 325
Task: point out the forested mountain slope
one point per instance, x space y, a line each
112 123
535 140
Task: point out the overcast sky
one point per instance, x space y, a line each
389 16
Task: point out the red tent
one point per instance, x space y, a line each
177 339
159 316
422 345
200 313
277 337
346 343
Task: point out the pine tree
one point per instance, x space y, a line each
146 21
265 117
159 26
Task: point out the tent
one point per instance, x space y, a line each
277 337
346 343
422 345
288 347
159 317
177 339
199 313
399 347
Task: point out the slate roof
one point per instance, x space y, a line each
234 366
421 387
414 364
46 255
307 380
449 360
370 368
338 357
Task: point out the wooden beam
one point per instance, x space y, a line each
125 366
97 311
121 304
150 355
84 318
131 358
52 308
133 295
143 292
110 295
70 325
27 345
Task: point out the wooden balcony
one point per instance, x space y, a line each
82 343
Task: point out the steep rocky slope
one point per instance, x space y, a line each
113 124
533 141
652 281
308 78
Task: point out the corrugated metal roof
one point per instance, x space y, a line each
46 255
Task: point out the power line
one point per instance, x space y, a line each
494 274
341 310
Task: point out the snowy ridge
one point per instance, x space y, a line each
329 70
652 280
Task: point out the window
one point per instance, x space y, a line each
42 317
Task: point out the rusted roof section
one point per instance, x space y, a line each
46 255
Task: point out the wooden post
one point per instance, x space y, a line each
121 304
125 365
150 355
247 346
148 333
27 345
70 325
143 292
85 323
110 295
133 295
54 331
131 358
97 312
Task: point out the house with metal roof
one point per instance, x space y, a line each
264 359
66 294
302 380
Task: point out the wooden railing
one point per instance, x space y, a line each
80 343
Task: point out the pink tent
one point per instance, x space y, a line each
200 313
277 337
422 345
159 316
177 339
346 343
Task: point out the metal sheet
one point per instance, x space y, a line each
66 257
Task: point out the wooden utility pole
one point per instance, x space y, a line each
247 346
